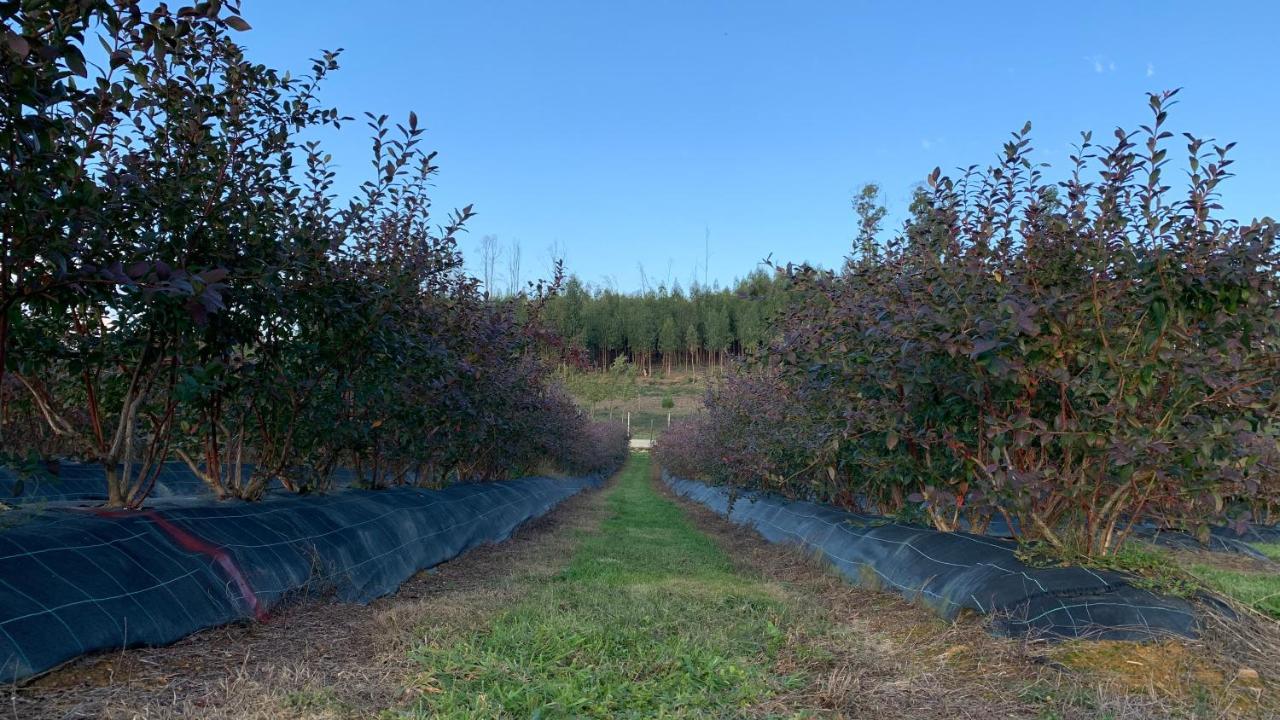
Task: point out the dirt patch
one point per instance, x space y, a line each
314 659
1138 668
879 653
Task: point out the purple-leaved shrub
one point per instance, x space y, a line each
1071 356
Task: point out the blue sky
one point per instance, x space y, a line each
620 132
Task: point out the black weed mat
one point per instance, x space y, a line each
955 572
74 581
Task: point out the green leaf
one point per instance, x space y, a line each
75 62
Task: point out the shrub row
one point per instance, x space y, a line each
180 278
1070 357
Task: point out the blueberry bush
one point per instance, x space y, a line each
1071 357
180 278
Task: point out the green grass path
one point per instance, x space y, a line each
648 620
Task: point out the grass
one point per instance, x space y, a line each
1271 550
648 620
313 701
623 604
1259 590
1253 583
1185 574
656 616
1256 584
607 395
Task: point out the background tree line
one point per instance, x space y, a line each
665 329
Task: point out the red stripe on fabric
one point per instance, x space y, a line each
191 543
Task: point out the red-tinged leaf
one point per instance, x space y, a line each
18 45
197 312
237 23
983 346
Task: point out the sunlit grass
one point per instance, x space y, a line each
648 620
1271 550
1260 589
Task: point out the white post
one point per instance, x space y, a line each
628 423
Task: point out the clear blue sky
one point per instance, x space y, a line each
620 130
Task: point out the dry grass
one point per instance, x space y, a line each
875 651
880 652
316 659
864 654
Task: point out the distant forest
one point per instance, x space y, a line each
665 329
671 328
